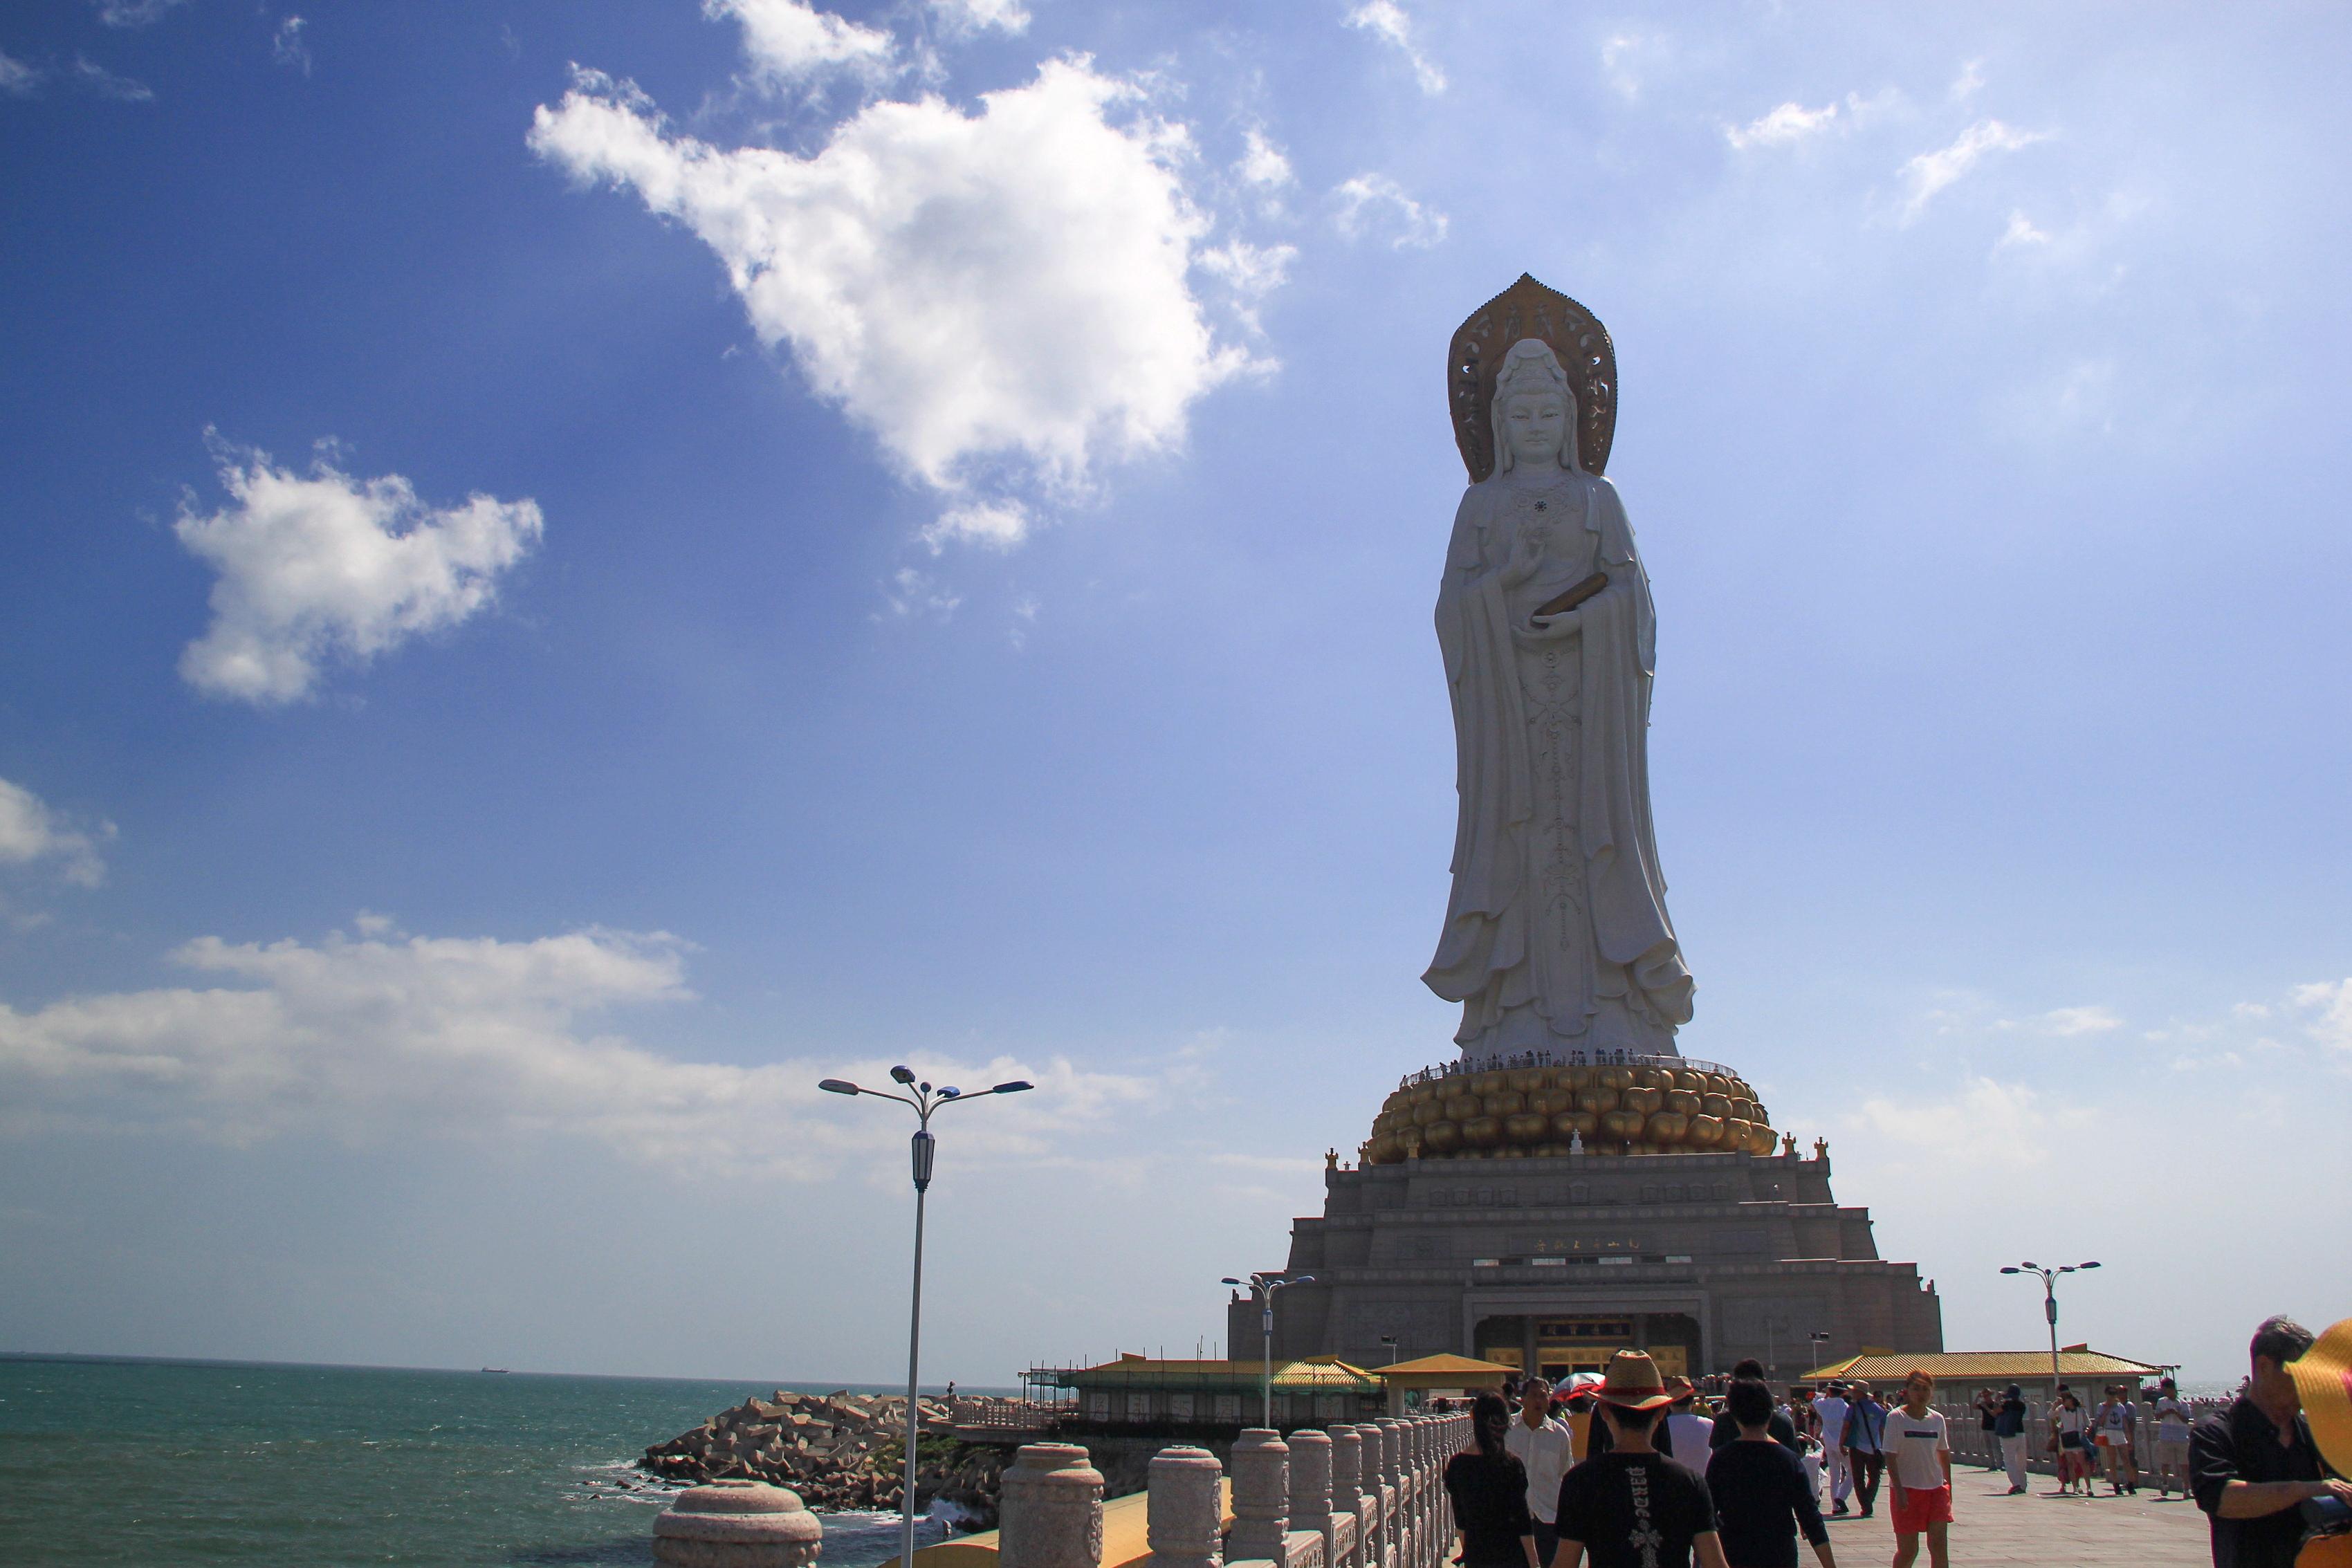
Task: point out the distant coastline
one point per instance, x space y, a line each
800 1385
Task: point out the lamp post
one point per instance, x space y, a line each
1390 1340
2050 1310
924 1100
1820 1351
1264 1286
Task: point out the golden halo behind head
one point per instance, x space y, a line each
1529 309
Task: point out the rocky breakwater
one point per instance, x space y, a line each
838 1451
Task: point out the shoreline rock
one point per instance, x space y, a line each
839 1451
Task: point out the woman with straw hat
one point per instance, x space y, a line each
1632 1507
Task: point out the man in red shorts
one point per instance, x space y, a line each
1919 1475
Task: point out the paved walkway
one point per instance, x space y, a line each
2040 1528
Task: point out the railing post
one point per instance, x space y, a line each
1346 1534
1261 1497
1050 1510
1185 1519
1395 1540
736 1523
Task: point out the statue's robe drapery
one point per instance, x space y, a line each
1557 935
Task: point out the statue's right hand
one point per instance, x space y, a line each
1526 557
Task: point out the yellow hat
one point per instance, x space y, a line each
1634 1382
2322 1376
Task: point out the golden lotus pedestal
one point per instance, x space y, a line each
1635 1107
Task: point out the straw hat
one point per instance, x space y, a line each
2323 1375
1634 1382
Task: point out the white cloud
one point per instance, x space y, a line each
1987 1120
1386 19
91 77
134 13
326 567
1000 525
911 594
2021 232
2072 1022
1970 82
1788 123
1621 58
1010 285
1262 162
973 16
17 79
389 1036
2331 1004
1930 172
788 41
1373 206
31 831
286 45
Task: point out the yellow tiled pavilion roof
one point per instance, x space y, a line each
1315 1374
1447 1365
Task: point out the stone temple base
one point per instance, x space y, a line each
1553 1261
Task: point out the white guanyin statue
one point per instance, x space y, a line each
1557 938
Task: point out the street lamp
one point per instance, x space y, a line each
925 1099
2050 1310
1264 1286
1390 1340
1820 1341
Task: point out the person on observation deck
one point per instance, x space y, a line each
1489 1488
1544 1445
1763 1499
2251 1467
1632 1507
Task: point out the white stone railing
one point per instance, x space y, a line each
1361 1495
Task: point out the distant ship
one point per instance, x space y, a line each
498 1369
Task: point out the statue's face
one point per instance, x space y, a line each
1535 423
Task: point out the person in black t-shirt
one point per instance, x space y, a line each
1762 1495
2251 1467
1783 1430
1489 1488
1632 1507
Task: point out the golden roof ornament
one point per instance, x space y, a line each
1530 309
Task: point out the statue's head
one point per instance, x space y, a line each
1533 413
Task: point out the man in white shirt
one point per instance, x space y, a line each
1919 1473
1688 1434
1544 1446
2171 1438
1831 1408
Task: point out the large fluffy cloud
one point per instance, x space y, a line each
318 567
381 1035
1011 283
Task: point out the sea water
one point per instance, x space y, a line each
171 1463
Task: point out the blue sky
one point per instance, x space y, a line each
573 570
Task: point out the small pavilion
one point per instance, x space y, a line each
1431 1375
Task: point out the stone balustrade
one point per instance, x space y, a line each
1367 1495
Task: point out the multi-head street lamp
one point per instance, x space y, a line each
2049 1278
1264 1286
924 1100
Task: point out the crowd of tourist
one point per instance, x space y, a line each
1642 1470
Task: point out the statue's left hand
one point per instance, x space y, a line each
1551 628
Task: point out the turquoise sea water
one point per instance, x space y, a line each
171 1463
